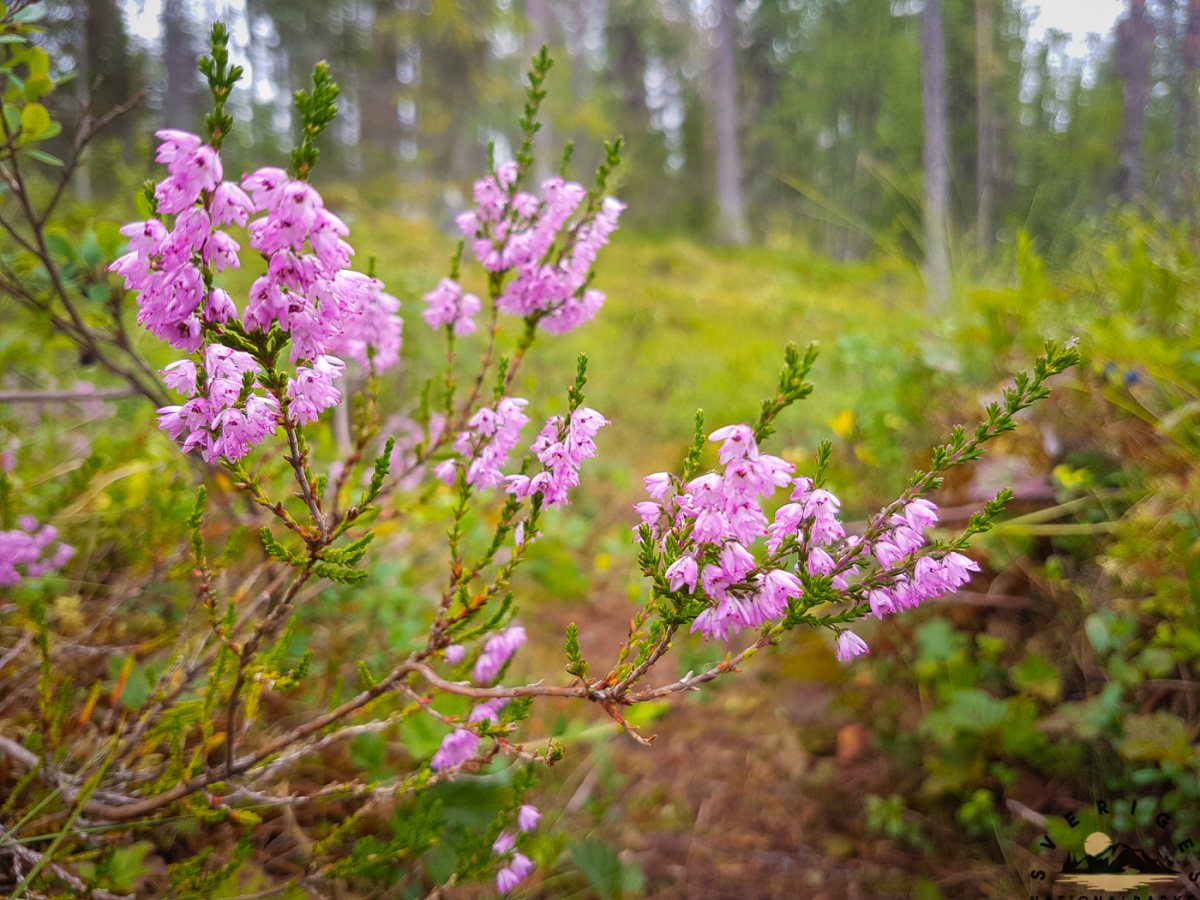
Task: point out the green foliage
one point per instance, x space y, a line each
317 108
792 387
576 664
606 873
221 79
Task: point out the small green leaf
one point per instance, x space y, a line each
60 245
42 156
35 120
12 117
35 12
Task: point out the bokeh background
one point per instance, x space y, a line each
927 189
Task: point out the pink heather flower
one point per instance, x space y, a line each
648 511
779 586
887 553
562 448
180 377
548 245
881 604
494 432
312 390
683 571
372 338
449 306
216 419
175 144
920 514
457 747
738 442
488 711
219 306
528 817
230 205
657 484
265 186
497 651
192 171
521 865
307 291
504 844
506 880
850 645
819 562
455 654
30 551
514 873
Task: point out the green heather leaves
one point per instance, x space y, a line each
576 665
792 387
221 79
317 108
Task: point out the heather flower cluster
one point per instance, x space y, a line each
561 447
372 338
450 306
488 442
750 568
306 292
30 550
518 864
548 244
461 743
222 417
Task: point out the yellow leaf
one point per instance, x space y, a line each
38 61
34 120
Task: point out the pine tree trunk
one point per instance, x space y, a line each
731 210
936 154
984 165
1135 44
179 51
80 16
1185 111
381 129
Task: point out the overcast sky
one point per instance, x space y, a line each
1079 18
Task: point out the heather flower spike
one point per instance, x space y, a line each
238 396
727 566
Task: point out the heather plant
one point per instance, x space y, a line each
740 549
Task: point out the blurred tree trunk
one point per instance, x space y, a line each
179 52
1185 110
381 128
984 124
936 153
545 164
731 209
1135 44
83 72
